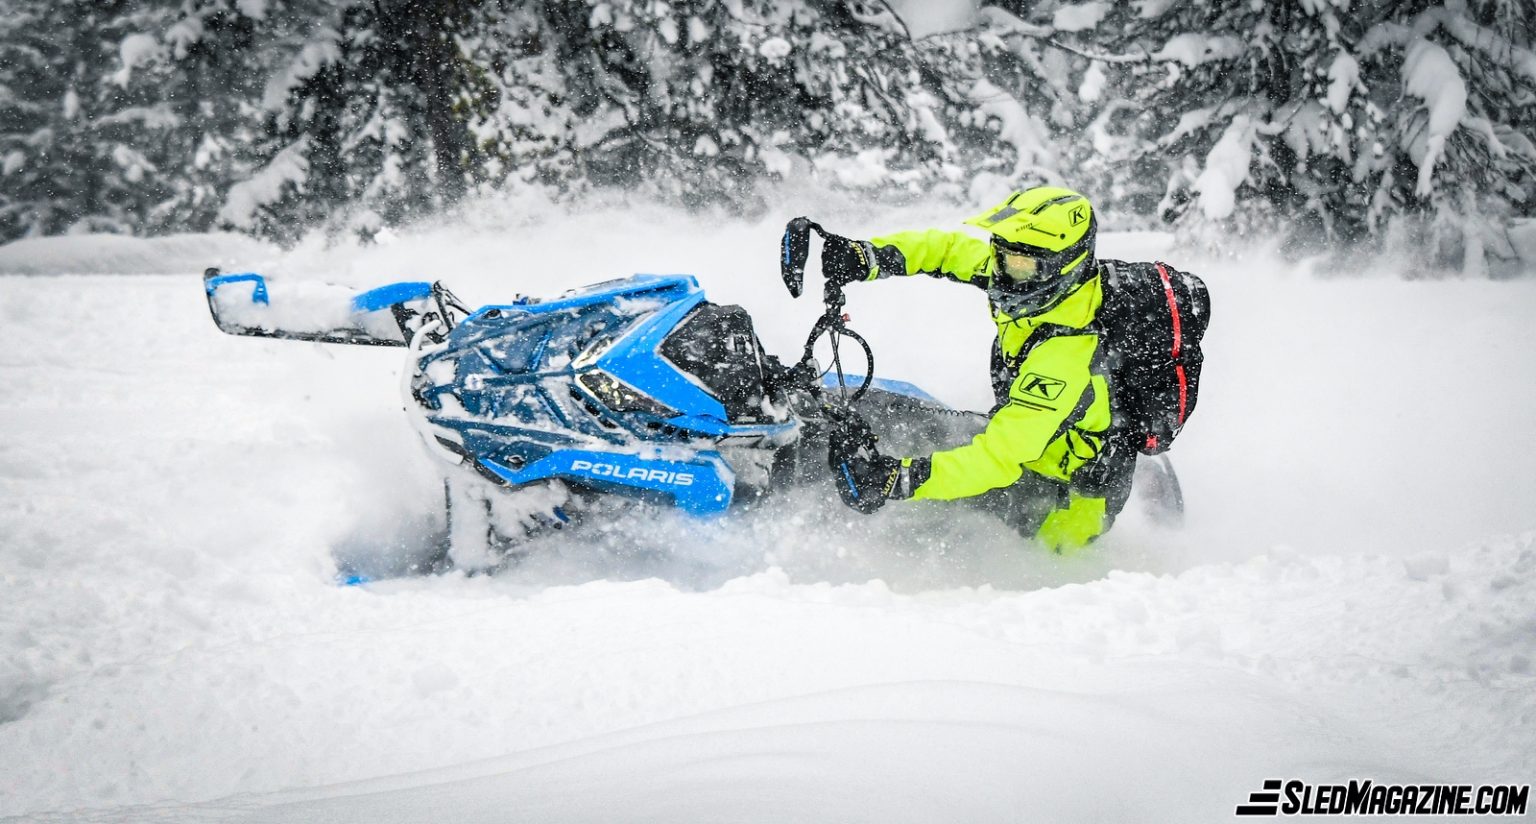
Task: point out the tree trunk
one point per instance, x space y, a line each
434 66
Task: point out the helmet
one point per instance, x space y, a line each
1042 243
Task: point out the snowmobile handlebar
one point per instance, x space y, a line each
833 323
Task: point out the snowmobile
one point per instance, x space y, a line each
553 411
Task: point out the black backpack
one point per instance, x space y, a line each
1152 320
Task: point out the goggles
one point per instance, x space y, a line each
1026 280
1021 265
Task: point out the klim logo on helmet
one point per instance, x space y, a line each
635 473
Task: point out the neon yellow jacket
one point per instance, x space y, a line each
1057 414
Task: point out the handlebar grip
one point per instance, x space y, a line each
795 247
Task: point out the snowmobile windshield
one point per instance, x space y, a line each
718 347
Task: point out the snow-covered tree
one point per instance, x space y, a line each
366 121
1462 128
1379 122
71 137
198 66
700 100
1232 112
126 116
1026 102
1331 120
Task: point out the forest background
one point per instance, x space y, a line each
1342 127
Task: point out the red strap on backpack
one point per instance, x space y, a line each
1173 309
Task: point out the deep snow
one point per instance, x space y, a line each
1353 595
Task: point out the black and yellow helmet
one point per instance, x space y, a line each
1042 243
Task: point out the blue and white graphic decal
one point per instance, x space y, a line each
702 486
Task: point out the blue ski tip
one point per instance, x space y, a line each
258 292
353 580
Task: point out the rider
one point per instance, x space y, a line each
1051 436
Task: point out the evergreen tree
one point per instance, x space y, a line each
1399 122
1333 121
1024 103
1230 115
203 76
71 137
1462 128
698 100
367 123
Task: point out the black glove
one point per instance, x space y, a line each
844 261
865 478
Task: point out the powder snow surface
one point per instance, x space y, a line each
1354 595
119 254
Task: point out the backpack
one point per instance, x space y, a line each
1152 319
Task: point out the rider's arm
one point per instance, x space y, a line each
1051 393
952 255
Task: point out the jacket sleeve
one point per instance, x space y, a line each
952 255
1050 394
